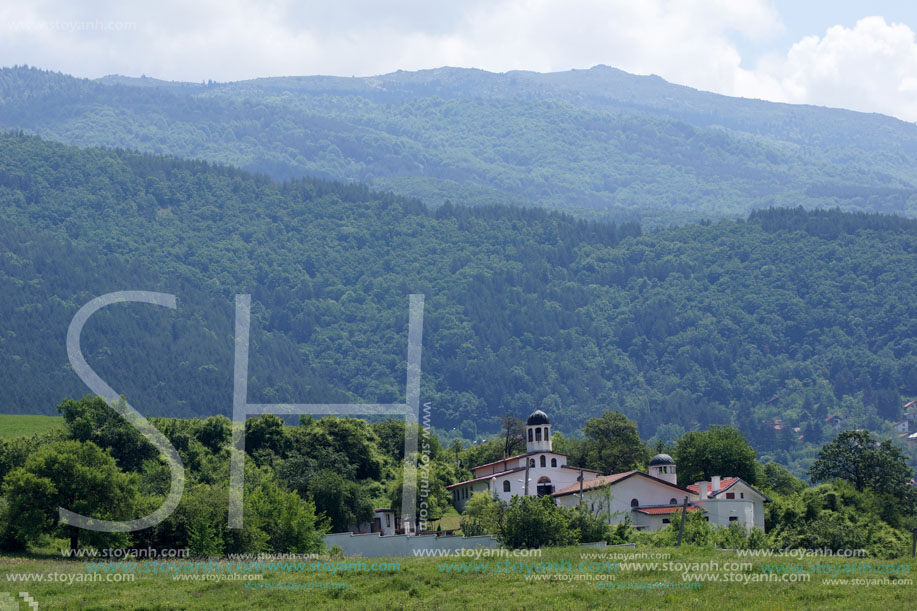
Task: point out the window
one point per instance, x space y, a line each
741 495
666 520
592 507
388 520
530 435
634 503
506 485
730 495
543 461
673 502
733 518
663 469
546 436
531 462
553 462
537 434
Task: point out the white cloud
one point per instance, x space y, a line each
869 67
235 39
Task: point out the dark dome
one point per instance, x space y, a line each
661 459
537 417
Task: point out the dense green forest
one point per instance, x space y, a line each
599 143
788 315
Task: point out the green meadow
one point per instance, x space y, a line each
21 425
558 582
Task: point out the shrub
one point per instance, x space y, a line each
535 522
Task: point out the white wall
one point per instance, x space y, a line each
559 476
652 523
387 528
747 507
646 491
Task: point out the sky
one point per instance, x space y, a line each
856 55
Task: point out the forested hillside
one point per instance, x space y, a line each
788 315
599 143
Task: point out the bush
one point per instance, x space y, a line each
533 522
697 531
589 527
484 515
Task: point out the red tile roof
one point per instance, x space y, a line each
614 478
725 483
602 480
655 511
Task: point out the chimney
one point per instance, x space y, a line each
702 490
714 484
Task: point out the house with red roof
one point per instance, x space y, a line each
652 500
539 471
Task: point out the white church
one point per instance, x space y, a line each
650 499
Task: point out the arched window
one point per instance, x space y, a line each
506 485
673 502
546 436
538 434
530 434
543 462
634 503
553 462
663 469
531 462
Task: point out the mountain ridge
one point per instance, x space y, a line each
599 143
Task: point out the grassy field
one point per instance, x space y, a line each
424 583
22 425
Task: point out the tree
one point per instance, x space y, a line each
484 515
352 438
856 457
431 498
719 451
343 502
288 521
513 435
612 444
777 478
265 438
590 526
91 419
215 433
79 476
533 522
